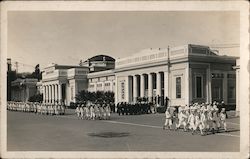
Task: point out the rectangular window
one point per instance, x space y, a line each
231 92
178 87
198 87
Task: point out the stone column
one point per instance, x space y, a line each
56 93
225 88
59 93
150 87
166 88
135 91
53 93
191 85
158 88
186 83
142 86
127 89
116 92
49 93
208 86
158 84
44 93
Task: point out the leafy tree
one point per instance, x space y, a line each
99 96
36 98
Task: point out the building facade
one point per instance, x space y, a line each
101 81
179 75
61 83
185 74
23 89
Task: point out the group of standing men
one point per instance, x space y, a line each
203 118
93 111
124 108
38 108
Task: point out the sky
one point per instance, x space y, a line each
66 37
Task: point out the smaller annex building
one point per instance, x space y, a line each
23 89
61 83
180 75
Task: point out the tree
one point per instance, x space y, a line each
99 96
36 98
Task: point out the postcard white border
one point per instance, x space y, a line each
241 6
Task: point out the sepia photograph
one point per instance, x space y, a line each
123 81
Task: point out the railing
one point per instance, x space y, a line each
75 71
152 55
55 74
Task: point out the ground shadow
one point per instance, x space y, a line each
109 134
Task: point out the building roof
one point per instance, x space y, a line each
101 58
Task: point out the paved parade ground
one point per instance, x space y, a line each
31 132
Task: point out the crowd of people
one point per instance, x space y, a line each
196 118
38 108
93 111
124 108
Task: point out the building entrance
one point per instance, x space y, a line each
217 89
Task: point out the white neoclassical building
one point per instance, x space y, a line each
184 74
61 83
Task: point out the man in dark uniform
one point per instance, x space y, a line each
123 108
166 102
119 108
223 105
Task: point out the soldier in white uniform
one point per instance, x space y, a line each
182 119
223 119
108 111
82 112
191 120
168 121
77 111
87 112
203 121
215 119
101 112
92 112
97 111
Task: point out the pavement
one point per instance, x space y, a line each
31 132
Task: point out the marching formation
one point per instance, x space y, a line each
197 118
203 118
124 108
38 108
90 111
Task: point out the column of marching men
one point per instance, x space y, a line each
93 111
137 108
197 118
38 108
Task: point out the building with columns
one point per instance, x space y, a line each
184 74
61 83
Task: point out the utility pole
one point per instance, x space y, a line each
16 64
168 104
